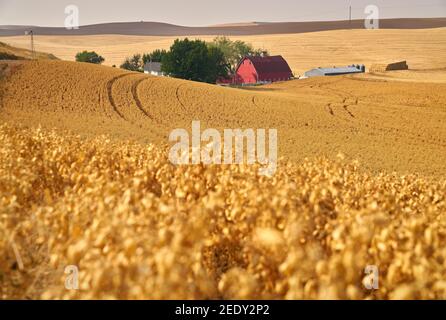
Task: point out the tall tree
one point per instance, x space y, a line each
133 63
155 56
234 51
218 68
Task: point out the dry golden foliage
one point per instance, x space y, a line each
139 227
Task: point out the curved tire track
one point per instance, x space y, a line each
348 111
177 94
334 105
399 132
330 109
140 104
135 97
254 101
110 93
138 101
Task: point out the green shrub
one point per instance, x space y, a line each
89 57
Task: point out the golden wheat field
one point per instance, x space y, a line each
422 48
386 125
139 227
85 180
24 53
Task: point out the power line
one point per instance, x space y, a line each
31 33
350 16
340 12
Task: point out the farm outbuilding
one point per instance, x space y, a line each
153 68
382 67
252 70
335 71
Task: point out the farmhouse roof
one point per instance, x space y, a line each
152 66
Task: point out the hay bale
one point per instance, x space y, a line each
379 67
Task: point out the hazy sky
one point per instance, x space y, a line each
208 12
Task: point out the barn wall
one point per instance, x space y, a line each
249 72
274 76
246 73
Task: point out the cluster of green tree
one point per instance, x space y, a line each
137 61
89 57
155 56
195 59
234 51
133 63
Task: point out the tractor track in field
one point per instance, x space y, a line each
135 97
253 99
111 100
138 101
330 109
255 102
177 95
344 103
345 106
399 132
140 104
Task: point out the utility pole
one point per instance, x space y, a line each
350 16
31 33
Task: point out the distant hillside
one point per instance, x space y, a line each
8 52
165 29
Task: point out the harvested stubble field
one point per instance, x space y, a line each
139 227
422 48
13 53
392 126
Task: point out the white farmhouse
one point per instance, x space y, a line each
153 68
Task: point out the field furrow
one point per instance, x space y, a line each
112 101
136 98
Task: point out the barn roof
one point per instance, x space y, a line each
270 64
335 70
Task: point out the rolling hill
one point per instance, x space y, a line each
14 53
303 51
85 179
387 125
165 29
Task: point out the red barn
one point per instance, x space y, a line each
253 70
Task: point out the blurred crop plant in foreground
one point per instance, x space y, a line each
138 227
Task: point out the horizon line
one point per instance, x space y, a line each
240 24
